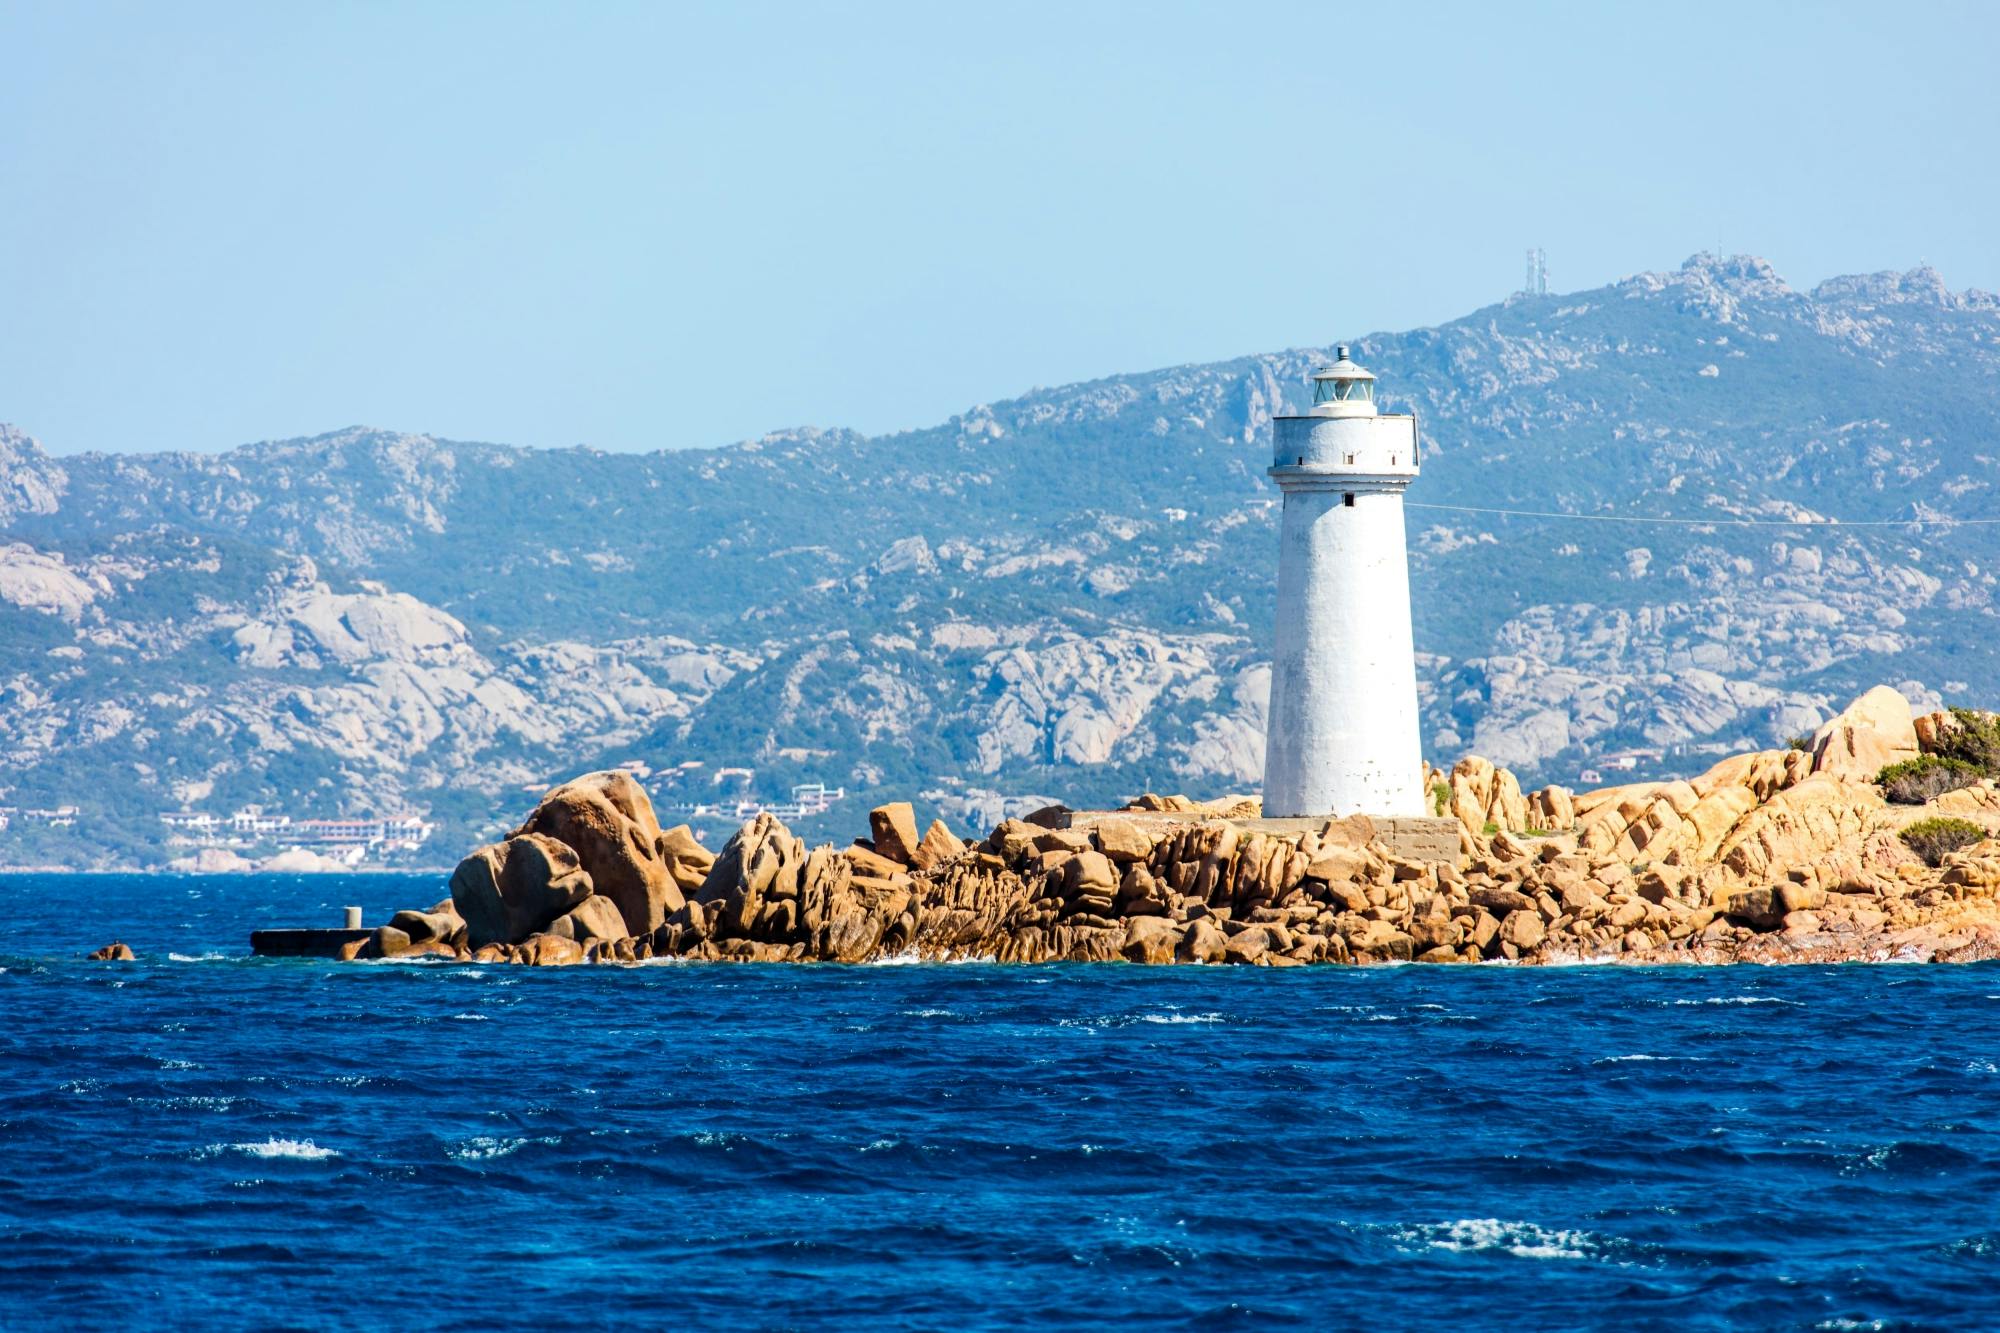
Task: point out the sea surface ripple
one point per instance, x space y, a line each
203 1139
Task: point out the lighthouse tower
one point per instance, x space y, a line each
1342 735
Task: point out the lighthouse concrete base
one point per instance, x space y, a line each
1411 837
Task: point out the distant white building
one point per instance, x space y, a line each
254 823
392 833
255 819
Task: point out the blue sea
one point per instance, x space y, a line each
206 1140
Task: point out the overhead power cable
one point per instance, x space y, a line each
1716 522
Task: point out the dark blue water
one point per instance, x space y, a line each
207 1140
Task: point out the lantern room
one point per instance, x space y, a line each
1343 389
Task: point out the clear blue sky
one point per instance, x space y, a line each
637 226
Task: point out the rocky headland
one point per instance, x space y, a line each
1795 855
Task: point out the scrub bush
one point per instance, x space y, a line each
1914 781
1939 836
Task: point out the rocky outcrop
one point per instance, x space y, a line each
1871 733
607 820
1482 795
1769 855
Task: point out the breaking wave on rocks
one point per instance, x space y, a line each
261 1142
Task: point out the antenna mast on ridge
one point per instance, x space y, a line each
1537 283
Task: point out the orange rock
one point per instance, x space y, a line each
548 951
508 890
1800 825
893 827
940 844
1122 840
1872 732
868 862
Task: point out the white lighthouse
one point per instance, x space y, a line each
1342 735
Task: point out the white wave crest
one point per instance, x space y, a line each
1523 1240
1741 999
1102 1021
487 1147
304 1150
196 957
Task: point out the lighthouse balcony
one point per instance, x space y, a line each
1371 446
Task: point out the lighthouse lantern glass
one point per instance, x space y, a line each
1343 391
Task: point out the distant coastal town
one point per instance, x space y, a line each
348 840
263 837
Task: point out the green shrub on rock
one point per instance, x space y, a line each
1939 836
1972 738
1914 781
